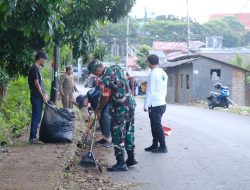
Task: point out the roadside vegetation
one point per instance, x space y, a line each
240 110
15 107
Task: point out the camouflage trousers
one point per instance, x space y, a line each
122 128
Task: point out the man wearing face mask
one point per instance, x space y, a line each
67 87
37 94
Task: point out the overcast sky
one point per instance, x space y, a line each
198 9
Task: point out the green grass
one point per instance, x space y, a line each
239 109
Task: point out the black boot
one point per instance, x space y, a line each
120 165
153 146
131 159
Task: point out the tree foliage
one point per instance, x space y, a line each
231 30
172 28
142 56
237 60
30 25
100 51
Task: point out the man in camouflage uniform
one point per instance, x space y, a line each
122 106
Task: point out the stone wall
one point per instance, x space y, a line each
238 87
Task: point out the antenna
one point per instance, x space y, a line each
188 29
127 42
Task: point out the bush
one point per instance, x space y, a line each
15 108
4 133
16 105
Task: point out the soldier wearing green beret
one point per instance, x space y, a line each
122 107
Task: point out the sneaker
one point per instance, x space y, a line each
102 141
107 144
160 150
35 141
150 148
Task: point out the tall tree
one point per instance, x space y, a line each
30 25
228 27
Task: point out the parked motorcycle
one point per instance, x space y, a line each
219 99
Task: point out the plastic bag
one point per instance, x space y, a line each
57 125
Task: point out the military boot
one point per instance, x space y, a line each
131 159
120 165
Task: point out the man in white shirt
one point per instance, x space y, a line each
155 103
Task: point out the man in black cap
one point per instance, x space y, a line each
37 94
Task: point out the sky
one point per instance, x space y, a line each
199 10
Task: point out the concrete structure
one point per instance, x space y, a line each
192 78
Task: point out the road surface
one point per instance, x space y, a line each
208 150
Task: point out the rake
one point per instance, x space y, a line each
89 160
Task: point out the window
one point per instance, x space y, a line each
187 81
215 74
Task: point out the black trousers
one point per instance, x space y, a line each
155 115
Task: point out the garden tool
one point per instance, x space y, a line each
89 159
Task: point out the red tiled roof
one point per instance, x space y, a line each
243 18
175 46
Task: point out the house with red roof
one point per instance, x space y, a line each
169 47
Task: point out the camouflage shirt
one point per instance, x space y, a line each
114 80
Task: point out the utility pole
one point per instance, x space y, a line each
188 30
54 83
127 42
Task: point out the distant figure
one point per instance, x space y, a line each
155 103
136 89
67 87
37 94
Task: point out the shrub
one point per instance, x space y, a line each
15 109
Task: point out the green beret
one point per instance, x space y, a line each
93 65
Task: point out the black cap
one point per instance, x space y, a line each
93 65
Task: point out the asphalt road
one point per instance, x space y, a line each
208 150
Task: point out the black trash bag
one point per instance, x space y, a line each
57 125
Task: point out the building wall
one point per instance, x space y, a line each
179 91
238 87
248 95
171 87
203 80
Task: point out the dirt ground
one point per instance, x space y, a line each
54 166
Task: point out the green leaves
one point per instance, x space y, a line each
231 30
16 107
100 51
4 77
26 26
142 56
